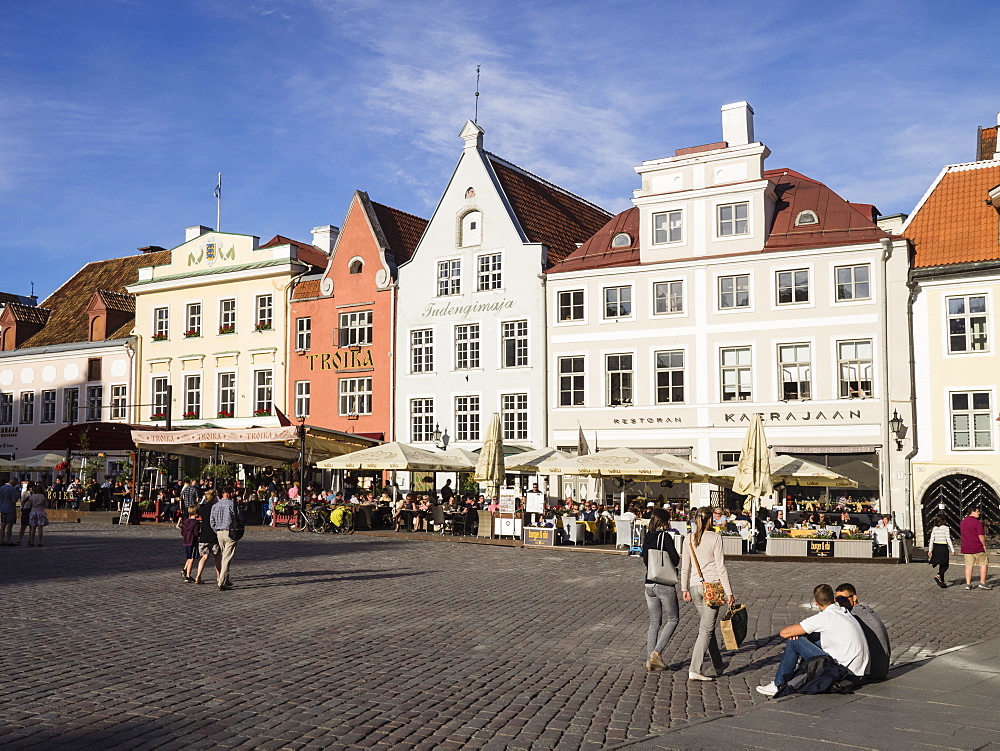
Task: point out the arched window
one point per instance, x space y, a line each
355 266
97 329
806 217
621 240
472 229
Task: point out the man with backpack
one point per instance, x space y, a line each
840 638
227 523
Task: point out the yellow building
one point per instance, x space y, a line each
211 328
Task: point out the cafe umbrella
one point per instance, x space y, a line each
396 457
788 470
490 468
753 472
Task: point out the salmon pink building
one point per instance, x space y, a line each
340 371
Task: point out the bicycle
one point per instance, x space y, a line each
342 520
314 521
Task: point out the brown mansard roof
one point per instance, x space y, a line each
68 321
598 252
305 252
547 213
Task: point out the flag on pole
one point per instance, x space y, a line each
582 449
218 187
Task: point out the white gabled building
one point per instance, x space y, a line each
471 317
727 290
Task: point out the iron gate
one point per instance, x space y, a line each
953 496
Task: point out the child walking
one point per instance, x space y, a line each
190 528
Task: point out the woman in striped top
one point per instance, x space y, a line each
941 549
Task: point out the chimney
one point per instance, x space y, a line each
150 249
193 233
737 124
324 237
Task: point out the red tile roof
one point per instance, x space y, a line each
986 146
840 222
953 223
401 231
68 321
306 289
547 213
597 252
28 313
120 301
305 252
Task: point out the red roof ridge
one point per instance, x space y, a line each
543 181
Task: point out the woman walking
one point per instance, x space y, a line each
37 520
661 599
940 549
703 554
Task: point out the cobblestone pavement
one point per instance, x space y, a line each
334 642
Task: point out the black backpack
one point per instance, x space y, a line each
238 527
819 675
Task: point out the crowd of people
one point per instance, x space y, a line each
34 520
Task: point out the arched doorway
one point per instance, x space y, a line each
953 496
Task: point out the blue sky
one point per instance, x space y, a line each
116 115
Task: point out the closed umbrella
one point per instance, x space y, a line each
490 468
753 472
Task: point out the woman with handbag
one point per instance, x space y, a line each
661 559
710 591
941 549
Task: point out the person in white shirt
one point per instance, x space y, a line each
940 548
840 637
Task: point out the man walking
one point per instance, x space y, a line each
224 518
840 637
8 511
189 494
974 547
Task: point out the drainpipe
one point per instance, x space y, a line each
914 288
886 474
545 361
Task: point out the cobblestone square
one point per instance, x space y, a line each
335 642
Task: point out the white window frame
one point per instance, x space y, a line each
158 389
734 220
470 236
71 404
514 338
6 408
161 322
674 229
845 364
468 348
619 378
979 421
95 402
619 302
264 312
736 374
671 370
489 272
966 318
192 319
674 292
354 396
794 286
792 368
355 329
468 417
514 416
192 395
735 280
303 334
227 314
303 398
422 419
572 383
119 401
422 351
263 392
26 408
571 306
225 394
852 283
449 277
47 406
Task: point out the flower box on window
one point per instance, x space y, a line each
190 333
224 413
227 329
190 415
158 416
159 337
262 327
262 412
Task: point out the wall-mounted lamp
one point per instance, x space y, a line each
440 439
896 426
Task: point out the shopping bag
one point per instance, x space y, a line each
734 626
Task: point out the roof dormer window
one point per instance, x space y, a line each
806 217
621 240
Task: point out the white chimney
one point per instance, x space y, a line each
193 233
324 237
737 124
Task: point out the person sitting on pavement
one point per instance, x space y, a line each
876 634
840 637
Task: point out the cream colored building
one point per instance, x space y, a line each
955 281
211 328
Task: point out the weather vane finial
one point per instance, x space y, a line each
475 118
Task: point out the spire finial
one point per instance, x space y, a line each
475 117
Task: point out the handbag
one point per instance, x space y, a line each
659 568
734 626
713 592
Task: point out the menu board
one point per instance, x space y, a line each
508 500
535 503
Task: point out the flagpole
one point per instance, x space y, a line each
218 204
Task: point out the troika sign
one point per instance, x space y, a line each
345 360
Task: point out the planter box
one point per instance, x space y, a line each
853 548
734 546
785 546
796 546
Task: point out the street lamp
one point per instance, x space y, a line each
896 426
440 439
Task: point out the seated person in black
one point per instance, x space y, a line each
876 634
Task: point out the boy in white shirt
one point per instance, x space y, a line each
840 637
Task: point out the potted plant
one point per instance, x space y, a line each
192 333
266 412
190 415
159 337
262 326
227 329
158 416
225 413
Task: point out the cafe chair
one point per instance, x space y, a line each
574 531
437 519
459 524
623 532
485 524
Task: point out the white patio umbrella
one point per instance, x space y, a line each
753 472
395 456
529 460
791 471
490 468
40 461
462 455
697 472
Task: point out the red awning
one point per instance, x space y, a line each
100 436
